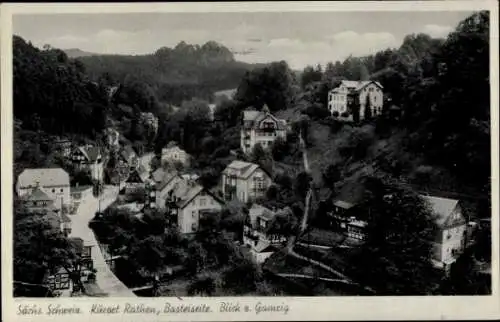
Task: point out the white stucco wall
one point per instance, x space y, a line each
453 238
191 213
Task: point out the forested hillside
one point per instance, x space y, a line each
58 95
53 93
441 86
173 74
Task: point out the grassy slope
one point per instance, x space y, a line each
325 151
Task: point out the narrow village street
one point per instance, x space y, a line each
105 278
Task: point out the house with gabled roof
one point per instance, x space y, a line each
451 234
258 234
260 127
362 92
165 186
137 179
451 225
245 181
343 216
54 182
90 158
38 201
186 202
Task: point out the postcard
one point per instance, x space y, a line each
244 161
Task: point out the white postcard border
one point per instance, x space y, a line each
299 308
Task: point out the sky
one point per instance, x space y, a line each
300 38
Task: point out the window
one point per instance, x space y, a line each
371 89
53 190
202 202
62 190
193 213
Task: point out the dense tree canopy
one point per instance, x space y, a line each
396 256
53 93
39 247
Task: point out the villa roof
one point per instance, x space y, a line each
243 169
356 85
251 115
442 207
167 178
257 116
44 176
186 190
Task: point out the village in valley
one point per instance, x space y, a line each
287 183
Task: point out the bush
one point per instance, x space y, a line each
221 152
335 114
280 149
335 126
358 142
344 114
209 177
317 111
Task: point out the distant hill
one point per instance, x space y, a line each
75 52
174 74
